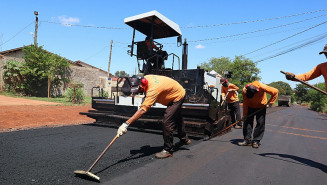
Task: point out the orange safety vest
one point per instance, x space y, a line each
148 44
232 95
259 100
161 89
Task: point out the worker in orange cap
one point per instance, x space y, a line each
163 90
255 99
230 90
320 69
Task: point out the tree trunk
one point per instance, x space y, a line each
49 88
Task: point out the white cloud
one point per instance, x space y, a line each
68 21
199 46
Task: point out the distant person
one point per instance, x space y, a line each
320 69
157 56
166 91
233 103
255 99
148 44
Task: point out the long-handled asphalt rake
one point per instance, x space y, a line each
305 83
243 119
88 174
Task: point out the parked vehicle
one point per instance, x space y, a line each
284 100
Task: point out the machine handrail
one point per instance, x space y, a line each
179 61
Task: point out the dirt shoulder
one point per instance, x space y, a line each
5 101
19 113
30 116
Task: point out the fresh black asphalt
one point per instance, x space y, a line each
293 151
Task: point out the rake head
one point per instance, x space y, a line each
86 175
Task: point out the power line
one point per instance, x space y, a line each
17 33
86 26
260 20
291 45
255 36
98 52
319 39
194 42
286 38
187 27
239 34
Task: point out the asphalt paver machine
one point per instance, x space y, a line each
203 112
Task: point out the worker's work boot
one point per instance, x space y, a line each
206 138
244 143
238 127
163 154
183 142
255 144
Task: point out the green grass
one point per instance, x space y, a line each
63 100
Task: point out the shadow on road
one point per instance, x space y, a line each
299 160
144 151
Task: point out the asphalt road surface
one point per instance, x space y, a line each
293 151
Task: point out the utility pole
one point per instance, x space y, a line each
109 79
1 42
36 13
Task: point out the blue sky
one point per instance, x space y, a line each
256 29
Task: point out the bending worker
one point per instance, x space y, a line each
230 90
320 69
255 99
164 90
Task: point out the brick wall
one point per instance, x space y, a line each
90 77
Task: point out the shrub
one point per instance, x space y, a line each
12 76
325 109
318 100
79 95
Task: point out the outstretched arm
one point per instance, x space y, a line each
123 127
314 73
136 116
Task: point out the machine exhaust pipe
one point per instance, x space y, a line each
184 55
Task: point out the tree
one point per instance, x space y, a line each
244 70
121 74
317 99
41 69
301 93
217 64
283 87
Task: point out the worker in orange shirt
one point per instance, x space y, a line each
148 44
233 103
156 55
320 69
166 91
255 99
